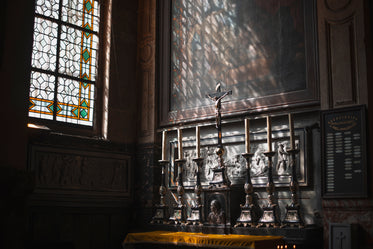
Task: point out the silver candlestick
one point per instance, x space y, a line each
250 213
196 210
161 210
270 215
293 215
179 213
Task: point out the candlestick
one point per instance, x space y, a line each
198 143
180 143
269 134
291 128
247 136
164 139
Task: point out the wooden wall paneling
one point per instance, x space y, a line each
77 227
342 61
342 53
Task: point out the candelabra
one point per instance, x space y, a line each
161 210
196 210
293 216
250 213
179 213
270 215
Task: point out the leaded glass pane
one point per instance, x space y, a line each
75 101
78 53
84 13
45 41
41 95
48 8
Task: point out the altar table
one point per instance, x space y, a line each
202 240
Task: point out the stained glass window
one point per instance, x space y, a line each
64 61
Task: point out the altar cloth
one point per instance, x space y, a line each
204 240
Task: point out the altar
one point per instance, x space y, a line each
185 239
218 210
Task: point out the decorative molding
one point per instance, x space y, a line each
342 52
341 44
146 68
337 5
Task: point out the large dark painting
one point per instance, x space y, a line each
261 50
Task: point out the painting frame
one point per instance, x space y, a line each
307 96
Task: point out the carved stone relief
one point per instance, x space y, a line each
80 170
236 165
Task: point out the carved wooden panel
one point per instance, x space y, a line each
61 170
337 5
342 61
342 53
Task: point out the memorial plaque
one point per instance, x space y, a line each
343 138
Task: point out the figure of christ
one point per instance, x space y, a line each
217 97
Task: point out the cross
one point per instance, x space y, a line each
217 97
341 237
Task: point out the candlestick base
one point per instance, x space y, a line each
161 215
293 217
270 217
249 216
219 177
195 216
178 215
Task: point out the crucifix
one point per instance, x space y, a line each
217 97
340 239
219 177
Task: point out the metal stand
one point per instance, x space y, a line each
196 211
250 213
219 178
161 210
293 216
179 214
270 215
